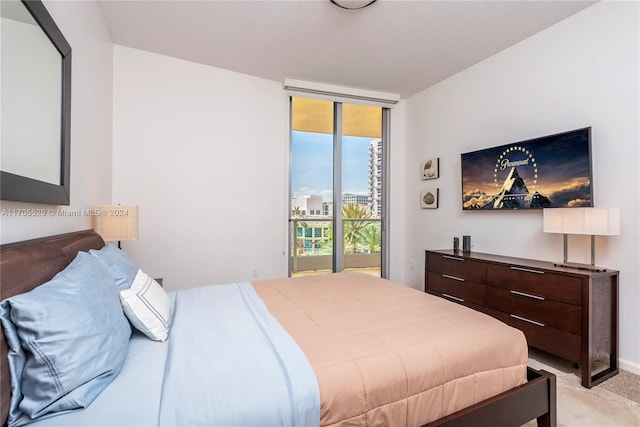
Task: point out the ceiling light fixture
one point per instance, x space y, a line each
352 4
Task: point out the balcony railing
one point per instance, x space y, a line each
312 252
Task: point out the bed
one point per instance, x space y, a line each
378 353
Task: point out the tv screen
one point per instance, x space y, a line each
550 171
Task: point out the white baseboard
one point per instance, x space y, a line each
625 365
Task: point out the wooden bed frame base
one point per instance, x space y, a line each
25 265
535 399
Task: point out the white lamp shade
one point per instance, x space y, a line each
116 222
589 221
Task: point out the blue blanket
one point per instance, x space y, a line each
230 363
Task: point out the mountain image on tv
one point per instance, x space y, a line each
515 195
550 171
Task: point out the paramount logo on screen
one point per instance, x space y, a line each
547 171
514 194
506 163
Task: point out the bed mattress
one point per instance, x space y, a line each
386 354
382 354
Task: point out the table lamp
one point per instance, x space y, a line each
585 221
116 222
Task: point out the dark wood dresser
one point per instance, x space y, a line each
569 312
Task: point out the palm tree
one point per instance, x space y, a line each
298 213
354 230
295 214
372 238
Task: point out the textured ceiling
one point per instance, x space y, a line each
393 45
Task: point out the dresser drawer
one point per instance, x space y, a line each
457 267
460 301
561 343
569 312
566 317
557 287
458 288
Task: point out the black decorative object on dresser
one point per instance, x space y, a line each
568 312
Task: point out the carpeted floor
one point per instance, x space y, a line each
613 403
624 384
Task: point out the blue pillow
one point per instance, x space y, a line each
123 269
67 341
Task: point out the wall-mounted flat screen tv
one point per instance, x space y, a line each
550 171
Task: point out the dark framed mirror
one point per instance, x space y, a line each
36 105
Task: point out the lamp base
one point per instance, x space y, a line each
579 266
590 267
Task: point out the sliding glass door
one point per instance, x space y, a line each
337 188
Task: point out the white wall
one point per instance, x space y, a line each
581 72
192 144
91 107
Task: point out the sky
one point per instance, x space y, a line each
312 164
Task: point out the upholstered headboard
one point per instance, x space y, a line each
26 265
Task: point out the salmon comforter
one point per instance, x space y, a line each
386 354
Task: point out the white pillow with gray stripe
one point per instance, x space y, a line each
147 307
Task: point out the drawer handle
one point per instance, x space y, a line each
453 298
527 320
528 270
522 294
459 279
452 257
